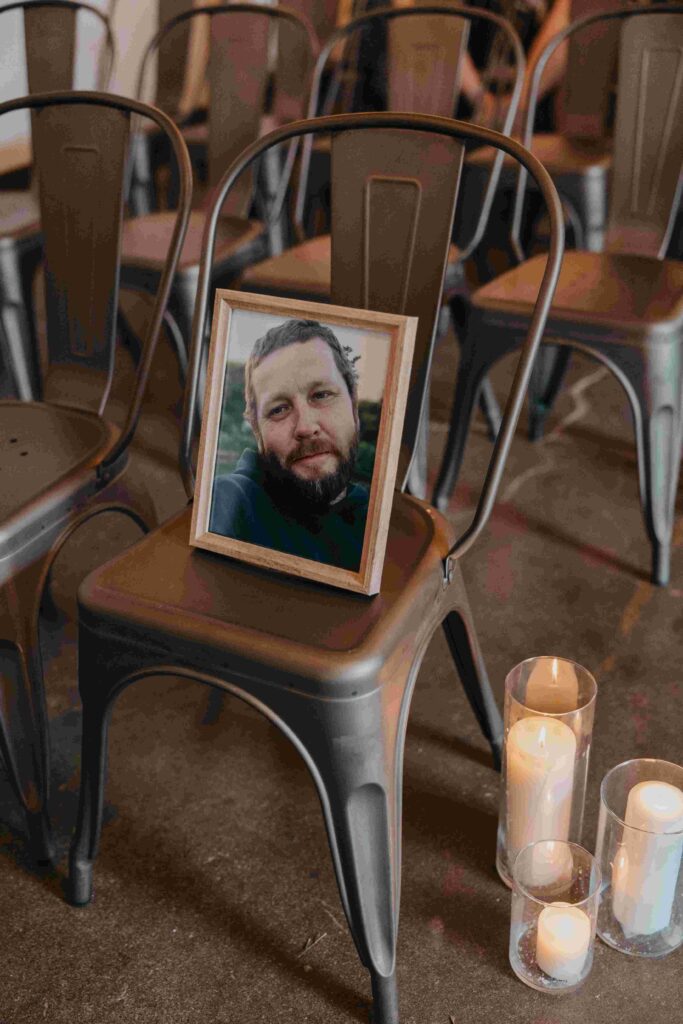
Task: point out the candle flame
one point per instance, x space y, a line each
554 671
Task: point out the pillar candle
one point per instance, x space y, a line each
647 862
540 755
562 941
552 687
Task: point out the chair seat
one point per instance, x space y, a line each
558 154
304 270
598 295
47 454
321 634
146 240
19 215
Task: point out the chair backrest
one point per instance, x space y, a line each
647 141
322 15
50 42
394 188
585 93
648 136
240 73
426 45
80 149
171 55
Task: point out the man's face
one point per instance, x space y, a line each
307 424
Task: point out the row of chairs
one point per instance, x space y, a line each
336 674
340 685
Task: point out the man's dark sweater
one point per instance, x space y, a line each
243 508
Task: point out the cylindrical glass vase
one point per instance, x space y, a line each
640 850
549 707
555 889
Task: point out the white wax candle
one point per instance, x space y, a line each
540 755
562 941
552 687
647 863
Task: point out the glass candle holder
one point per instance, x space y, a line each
555 889
640 850
549 708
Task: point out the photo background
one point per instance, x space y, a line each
246 327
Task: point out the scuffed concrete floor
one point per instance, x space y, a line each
215 898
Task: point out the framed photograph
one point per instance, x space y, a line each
300 438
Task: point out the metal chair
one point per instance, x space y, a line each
622 306
50 41
425 48
238 78
333 671
63 459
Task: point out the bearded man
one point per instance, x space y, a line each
295 494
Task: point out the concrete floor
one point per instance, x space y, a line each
215 898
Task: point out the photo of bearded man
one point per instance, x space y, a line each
295 491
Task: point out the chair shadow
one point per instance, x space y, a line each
418 730
149 867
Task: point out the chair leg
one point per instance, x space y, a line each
466 653
86 838
18 333
659 450
471 372
24 739
354 750
550 367
488 403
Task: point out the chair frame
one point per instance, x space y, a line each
30 541
348 696
21 257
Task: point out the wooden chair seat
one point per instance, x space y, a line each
47 456
606 294
304 270
330 638
558 154
145 240
19 215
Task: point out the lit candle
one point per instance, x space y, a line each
562 941
647 863
552 687
540 755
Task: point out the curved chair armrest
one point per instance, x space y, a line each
366 121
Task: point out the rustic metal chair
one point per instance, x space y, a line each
425 48
332 670
50 44
63 459
623 306
238 78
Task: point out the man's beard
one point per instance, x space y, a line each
308 496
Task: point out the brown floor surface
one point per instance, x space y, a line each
215 897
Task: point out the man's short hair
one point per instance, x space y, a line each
289 333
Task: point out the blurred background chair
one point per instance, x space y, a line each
334 671
623 306
63 459
50 50
240 78
421 68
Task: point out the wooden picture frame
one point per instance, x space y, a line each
315 406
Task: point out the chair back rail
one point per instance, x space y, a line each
585 93
81 138
50 42
366 201
171 55
422 70
648 136
239 72
637 43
